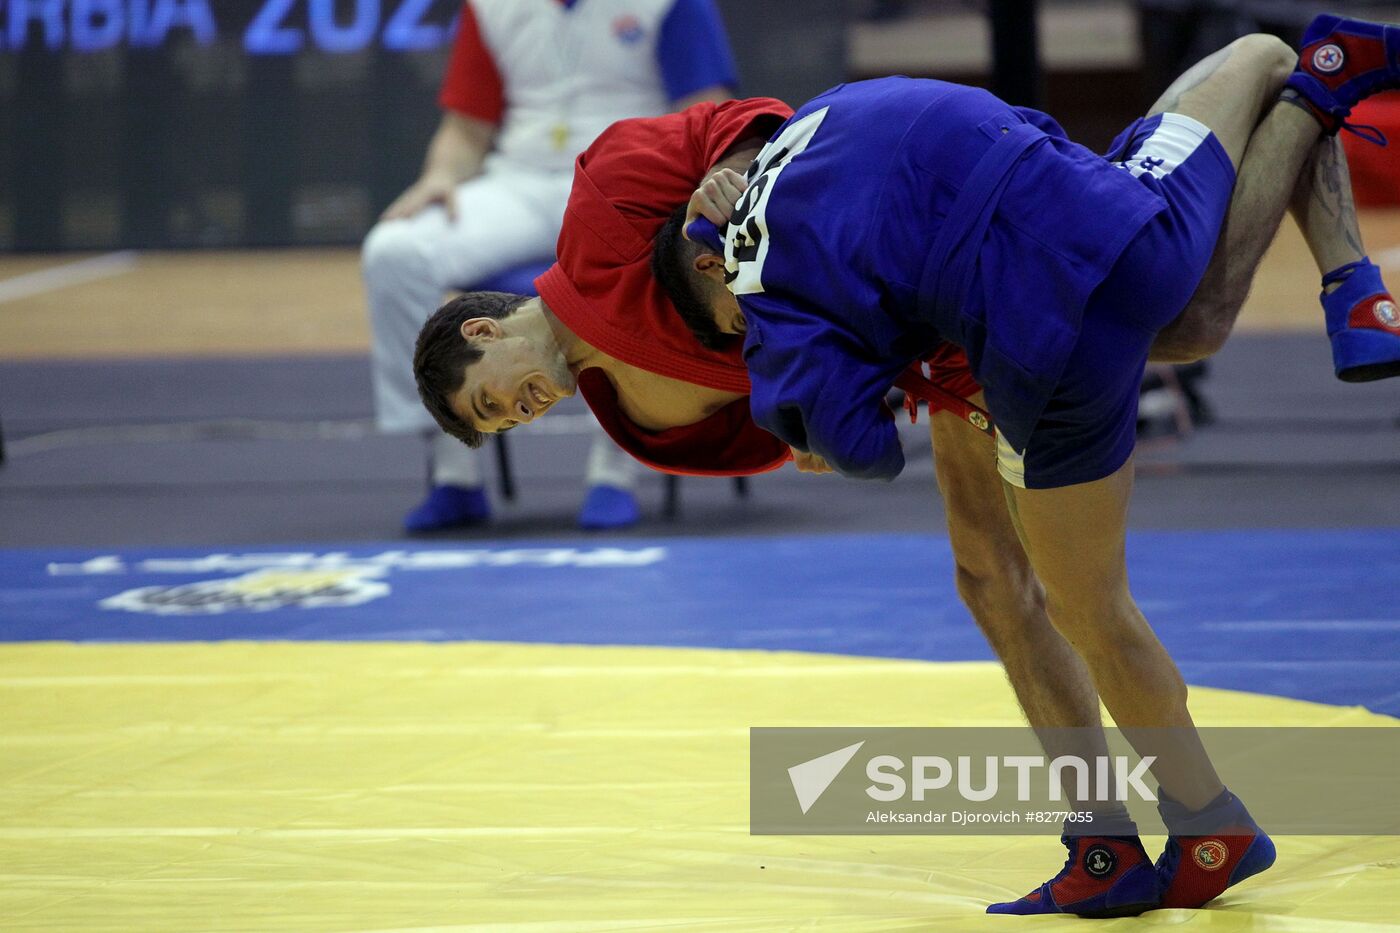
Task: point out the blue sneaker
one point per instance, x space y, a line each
449 507
1104 876
1363 322
1344 61
608 507
1195 869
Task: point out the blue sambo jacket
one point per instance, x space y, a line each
888 215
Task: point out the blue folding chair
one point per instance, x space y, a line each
518 280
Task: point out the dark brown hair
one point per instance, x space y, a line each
442 356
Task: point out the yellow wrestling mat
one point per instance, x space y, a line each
401 786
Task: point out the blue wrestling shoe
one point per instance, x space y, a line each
1104 876
449 507
1363 323
608 507
1344 61
1195 869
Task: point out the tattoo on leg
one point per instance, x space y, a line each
1331 191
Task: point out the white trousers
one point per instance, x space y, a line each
506 217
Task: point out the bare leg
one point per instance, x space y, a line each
996 583
1287 143
1323 207
1276 149
1074 536
1231 90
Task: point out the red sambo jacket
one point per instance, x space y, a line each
626 185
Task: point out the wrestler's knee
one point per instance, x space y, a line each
1091 616
1273 57
1198 333
1209 337
1187 348
1272 50
1003 598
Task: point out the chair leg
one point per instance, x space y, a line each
672 509
741 487
507 478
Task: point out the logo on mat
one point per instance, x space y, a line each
811 778
1387 314
260 581
1328 59
260 591
628 29
1100 861
1210 855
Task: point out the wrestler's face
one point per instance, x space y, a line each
729 316
516 380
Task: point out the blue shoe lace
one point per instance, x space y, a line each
1372 134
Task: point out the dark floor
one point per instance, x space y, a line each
265 452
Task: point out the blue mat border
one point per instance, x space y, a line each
1313 615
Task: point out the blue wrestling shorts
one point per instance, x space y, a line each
1088 428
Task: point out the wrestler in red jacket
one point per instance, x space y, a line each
626 184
